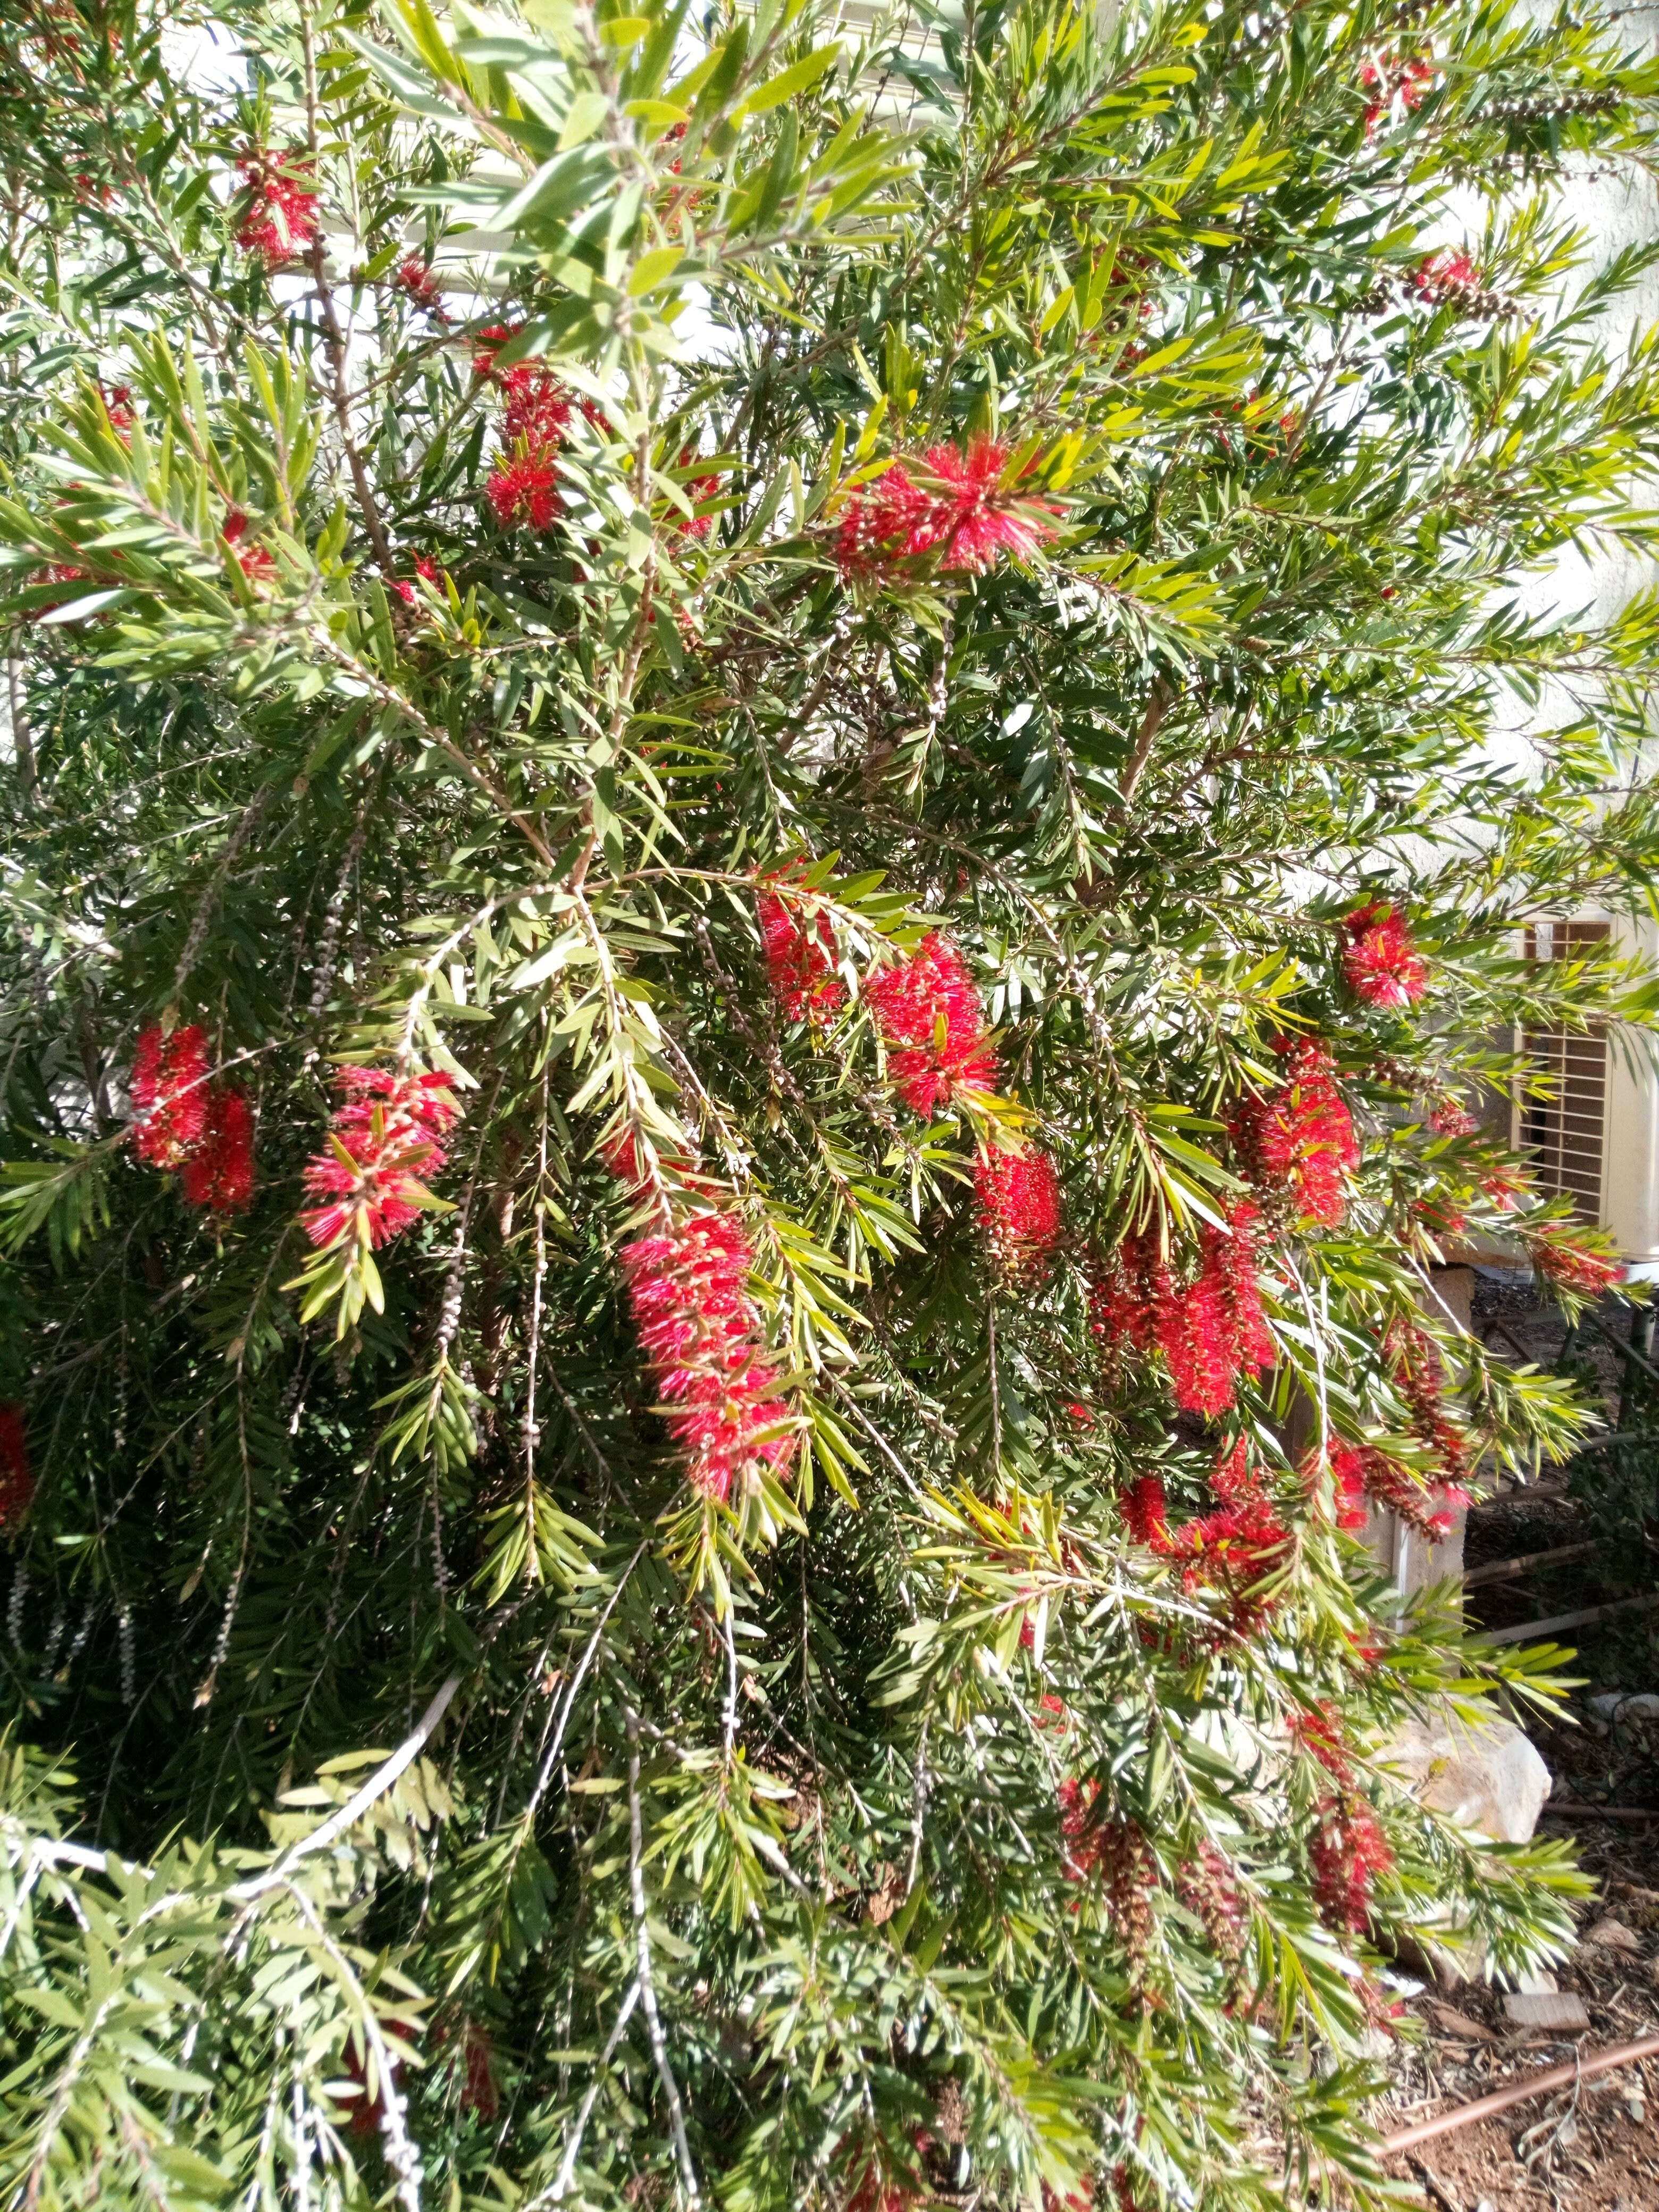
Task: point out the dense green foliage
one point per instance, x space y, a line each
914 1824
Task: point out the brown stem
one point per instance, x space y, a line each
1145 738
22 743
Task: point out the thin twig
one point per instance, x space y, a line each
647 1992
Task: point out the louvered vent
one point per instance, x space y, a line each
1566 1133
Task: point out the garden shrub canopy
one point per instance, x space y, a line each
758 937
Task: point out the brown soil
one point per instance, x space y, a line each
1594 2148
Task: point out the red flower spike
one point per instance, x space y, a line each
928 1013
966 523
525 490
1504 1190
1208 1886
1378 961
1451 1118
1130 1297
702 1336
257 564
1414 1366
1345 1850
698 489
478 2091
219 1173
280 221
418 281
1116 1853
1019 1205
1347 1847
1209 1332
1569 1264
385 1142
169 1092
801 961
1300 1139
975 520
16 1478
1145 1512
1447 280
523 487
1363 1477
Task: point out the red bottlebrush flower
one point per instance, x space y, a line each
1351 1497
523 487
621 1155
1389 78
1318 1731
1231 1263
1568 1261
1082 1414
1207 1886
1345 1850
57 572
1132 1294
428 571
1445 279
975 520
1454 1500
1300 1139
1378 962
169 1092
1504 1190
117 405
1019 1205
966 522
1452 1118
524 490
219 1173
928 1013
537 411
385 1138
368 2113
478 2091
1146 1512
1440 1215
702 1335
1209 1332
800 960
1080 2199
1363 1476
1116 1853
16 1477
418 281
1196 1343
879 521
1234 1549
698 489
490 341
1217 1328
1414 1366
279 220
875 2193
257 564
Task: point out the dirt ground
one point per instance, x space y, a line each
1593 2147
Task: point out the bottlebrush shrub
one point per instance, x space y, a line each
725 1570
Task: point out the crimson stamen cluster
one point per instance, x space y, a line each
185 1119
387 1136
963 521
